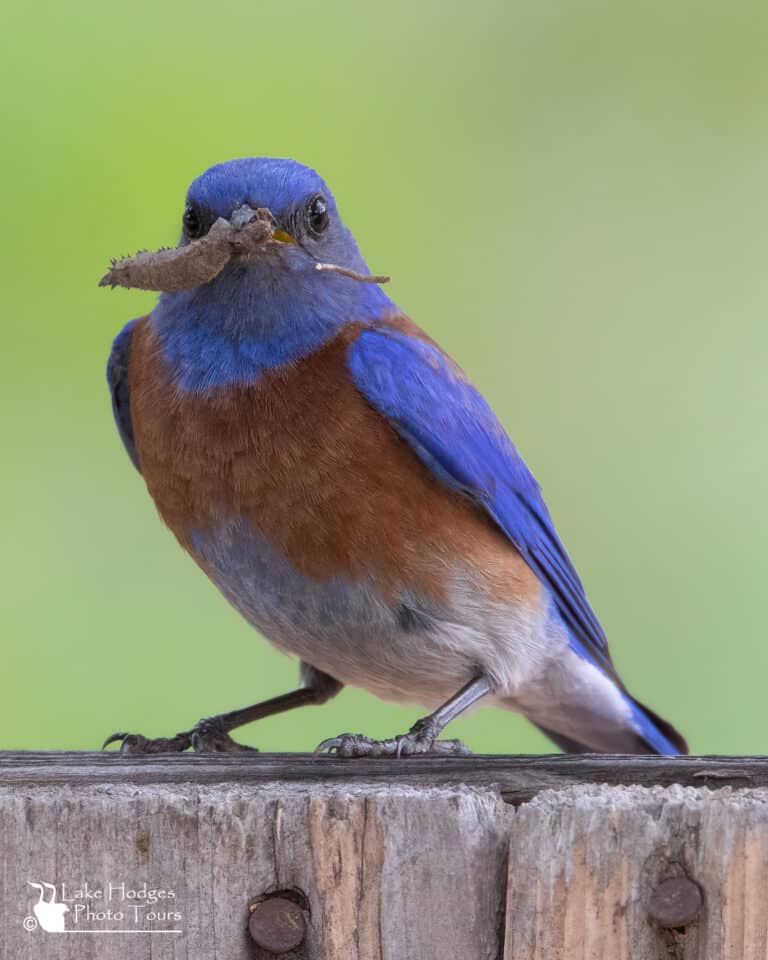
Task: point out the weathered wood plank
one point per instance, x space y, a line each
517 778
584 862
389 872
412 859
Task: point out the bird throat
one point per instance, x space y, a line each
240 326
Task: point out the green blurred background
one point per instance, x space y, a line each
570 196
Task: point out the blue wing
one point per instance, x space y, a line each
117 379
454 431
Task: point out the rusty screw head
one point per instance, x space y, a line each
277 924
675 902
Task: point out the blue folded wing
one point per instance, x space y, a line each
117 380
430 403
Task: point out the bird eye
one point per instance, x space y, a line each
317 214
193 223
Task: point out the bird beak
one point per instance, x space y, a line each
243 215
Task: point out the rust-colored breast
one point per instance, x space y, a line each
315 469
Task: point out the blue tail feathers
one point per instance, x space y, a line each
657 734
649 734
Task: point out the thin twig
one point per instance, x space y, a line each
353 274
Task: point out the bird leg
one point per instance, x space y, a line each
211 734
421 738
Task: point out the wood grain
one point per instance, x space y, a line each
517 778
480 858
584 861
389 873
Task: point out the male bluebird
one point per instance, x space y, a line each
349 491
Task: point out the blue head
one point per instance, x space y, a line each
274 306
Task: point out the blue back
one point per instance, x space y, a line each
452 428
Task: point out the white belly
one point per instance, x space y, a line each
406 649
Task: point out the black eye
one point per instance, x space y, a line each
317 214
193 223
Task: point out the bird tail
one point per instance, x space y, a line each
649 733
658 734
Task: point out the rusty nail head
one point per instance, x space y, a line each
675 902
277 924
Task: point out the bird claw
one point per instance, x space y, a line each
210 736
406 745
207 736
136 744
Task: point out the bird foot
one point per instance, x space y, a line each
417 742
207 736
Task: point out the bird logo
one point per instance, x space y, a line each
48 913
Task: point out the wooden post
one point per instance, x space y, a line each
478 858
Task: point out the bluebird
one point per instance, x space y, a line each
345 486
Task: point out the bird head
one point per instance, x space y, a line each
265 272
307 228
